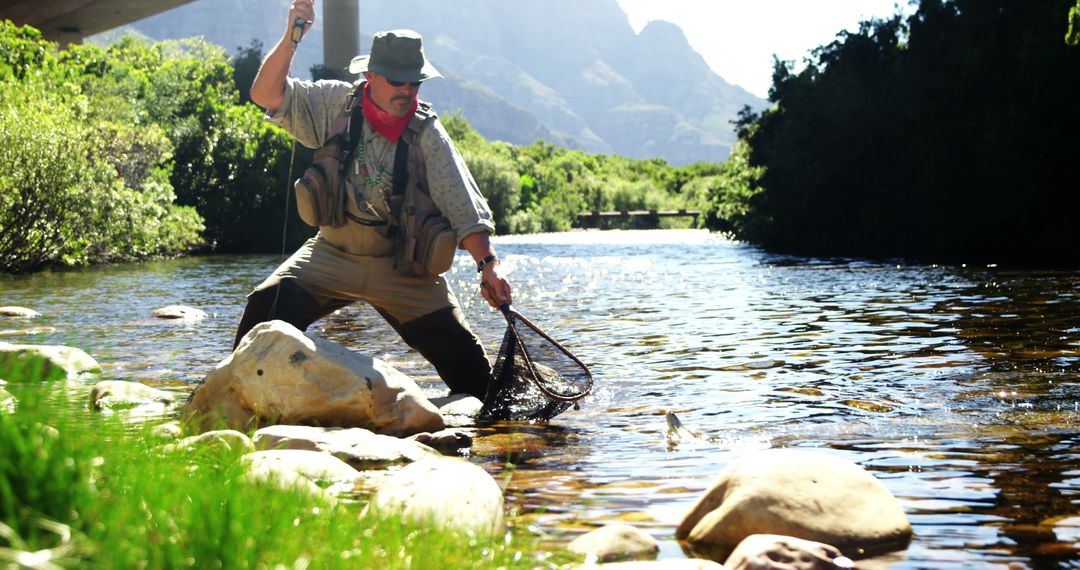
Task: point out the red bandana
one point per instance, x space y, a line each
384 123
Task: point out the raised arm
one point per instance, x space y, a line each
268 89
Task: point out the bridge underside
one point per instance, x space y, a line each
69 21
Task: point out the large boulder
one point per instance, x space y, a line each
277 375
32 363
358 447
804 494
446 491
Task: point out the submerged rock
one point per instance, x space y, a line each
797 493
35 363
448 492
279 375
447 441
10 311
179 312
112 394
618 541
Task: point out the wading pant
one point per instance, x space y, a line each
319 279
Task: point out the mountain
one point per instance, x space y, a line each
570 72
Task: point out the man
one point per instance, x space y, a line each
355 262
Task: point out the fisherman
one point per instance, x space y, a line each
355 262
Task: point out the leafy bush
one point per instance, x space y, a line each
77 191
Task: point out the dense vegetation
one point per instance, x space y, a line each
150 149
948 136
83 490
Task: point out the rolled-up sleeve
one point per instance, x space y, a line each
452 186
309 109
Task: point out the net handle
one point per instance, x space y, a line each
511 315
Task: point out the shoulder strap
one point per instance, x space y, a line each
401 162
424 113
356 121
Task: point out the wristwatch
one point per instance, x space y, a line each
484 262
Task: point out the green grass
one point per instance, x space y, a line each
83 490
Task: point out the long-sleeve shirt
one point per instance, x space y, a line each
309 112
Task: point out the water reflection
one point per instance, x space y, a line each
957 387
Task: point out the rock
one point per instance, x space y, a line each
674 564
279 375
27 332
775 552
446 491
447 441
167 432
179 312
112 394
458 405
33 363
18 312
510 447
617 541
7 401
358 447
284 466
797 493
226 440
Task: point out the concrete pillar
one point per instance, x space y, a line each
341 33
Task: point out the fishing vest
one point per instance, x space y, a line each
406 223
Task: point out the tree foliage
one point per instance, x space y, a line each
146 149
77 183
124 152
1072 36
948 136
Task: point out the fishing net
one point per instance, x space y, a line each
535 377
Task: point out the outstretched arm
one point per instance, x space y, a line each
268 89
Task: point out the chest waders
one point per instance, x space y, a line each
320 278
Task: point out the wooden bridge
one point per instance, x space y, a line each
642 219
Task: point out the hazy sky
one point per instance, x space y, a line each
739 37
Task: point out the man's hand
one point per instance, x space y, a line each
300 10
494 288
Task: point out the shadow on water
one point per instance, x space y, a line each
957 387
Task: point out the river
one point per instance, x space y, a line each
957 387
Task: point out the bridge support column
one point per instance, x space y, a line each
341 33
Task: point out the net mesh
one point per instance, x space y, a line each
535 378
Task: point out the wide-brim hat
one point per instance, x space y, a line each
397 55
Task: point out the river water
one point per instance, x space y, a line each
957 387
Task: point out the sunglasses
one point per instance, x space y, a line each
403 83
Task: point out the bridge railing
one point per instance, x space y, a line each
645 219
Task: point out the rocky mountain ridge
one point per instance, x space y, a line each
570 72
